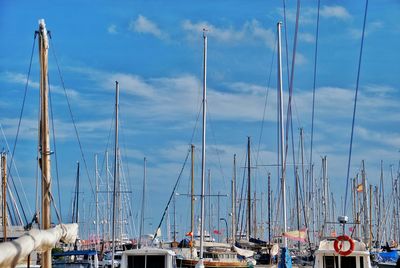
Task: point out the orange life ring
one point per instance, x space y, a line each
338 248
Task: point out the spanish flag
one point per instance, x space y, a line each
360 188
298 235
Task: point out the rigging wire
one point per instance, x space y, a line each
266 101
19 126
55 149
355 107
313 111
72 116
289 108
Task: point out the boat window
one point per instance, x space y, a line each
361 262
155 261
331 262
348 262
136 261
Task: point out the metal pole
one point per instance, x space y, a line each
97 200
248 233
234 201
192 200
143 204
280 105
218 227
115 170
4 188
203 151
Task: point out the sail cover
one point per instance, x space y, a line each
16 251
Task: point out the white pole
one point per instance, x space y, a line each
203 152
280 105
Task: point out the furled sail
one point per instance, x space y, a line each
16 251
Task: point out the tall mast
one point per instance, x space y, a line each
44 136
269 211
192 199
115 169
76 208
325 193
4 193
248 220
280 105
97 199
233 228
108 198
143 203
203 149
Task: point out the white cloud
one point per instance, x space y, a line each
249 31
370 28
337 12
382 138
145 26
306 37
112 29
20 79
221 34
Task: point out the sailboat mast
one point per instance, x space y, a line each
248 221
280 105
143 203
115 169
203 149
192 198
234 201
97 200
44 135
4 193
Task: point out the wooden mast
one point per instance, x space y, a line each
44 161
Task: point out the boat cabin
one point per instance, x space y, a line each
148 258
76 259
327 257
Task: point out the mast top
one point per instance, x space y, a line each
43 32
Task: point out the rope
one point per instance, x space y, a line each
172 194
289 109
314 85
72 117
19 126
55 148
355 107
265 102
313 113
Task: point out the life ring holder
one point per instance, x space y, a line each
338 249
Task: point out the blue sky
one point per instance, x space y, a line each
154 49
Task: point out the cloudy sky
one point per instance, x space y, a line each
154 49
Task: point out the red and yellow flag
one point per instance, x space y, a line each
297 235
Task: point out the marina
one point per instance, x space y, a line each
191 151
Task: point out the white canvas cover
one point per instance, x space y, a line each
14 252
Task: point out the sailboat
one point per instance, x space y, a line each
211 257
18 251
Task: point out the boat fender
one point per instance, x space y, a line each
338 248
